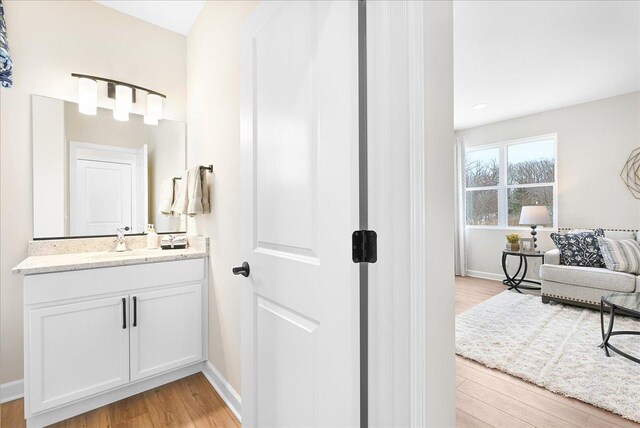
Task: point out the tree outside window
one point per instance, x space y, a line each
503 178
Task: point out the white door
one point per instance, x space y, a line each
107 189
77 350
300 325
103 198
166 330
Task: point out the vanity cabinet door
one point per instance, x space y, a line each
76 350
166 329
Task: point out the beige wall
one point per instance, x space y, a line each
49 41
213 92
594 141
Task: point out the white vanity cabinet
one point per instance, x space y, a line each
95 336
76 350
166 330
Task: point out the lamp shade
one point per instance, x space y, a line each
533 215
87 96
154 106
124 100
148 120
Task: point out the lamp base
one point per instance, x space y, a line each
533 235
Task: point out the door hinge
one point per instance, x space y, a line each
364 246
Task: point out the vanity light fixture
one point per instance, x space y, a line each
124 100
124 95
87 95
150 120
154 109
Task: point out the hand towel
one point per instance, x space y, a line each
167 189
192 197
181 200
206 205
195 192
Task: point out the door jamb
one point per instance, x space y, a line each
399 392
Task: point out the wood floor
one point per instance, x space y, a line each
188 402
485 397
490 398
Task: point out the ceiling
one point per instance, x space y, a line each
524 57
176 16
517 57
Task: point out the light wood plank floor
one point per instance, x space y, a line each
490 398
485 397
188 402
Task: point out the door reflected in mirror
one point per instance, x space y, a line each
93 174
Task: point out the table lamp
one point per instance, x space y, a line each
534 215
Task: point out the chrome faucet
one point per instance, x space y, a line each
121 244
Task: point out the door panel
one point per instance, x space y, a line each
300 328
286 133
103 197
76 350
277 328
168 330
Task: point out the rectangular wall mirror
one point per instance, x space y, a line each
94 174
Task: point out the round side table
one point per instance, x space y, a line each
619 304
515 282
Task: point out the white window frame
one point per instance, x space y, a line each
503 187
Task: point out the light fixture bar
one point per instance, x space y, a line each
117 82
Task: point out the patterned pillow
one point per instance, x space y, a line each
622 255
580 249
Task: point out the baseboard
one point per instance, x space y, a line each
485 275
223 388
11 391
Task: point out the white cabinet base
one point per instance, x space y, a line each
96 336
49 417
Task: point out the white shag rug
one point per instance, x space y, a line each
554 346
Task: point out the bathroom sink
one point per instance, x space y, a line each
115 255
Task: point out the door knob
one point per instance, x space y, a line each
242 270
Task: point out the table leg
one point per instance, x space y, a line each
605 341
511 281
602 322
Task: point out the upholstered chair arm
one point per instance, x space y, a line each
552 257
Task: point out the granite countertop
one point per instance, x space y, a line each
47 260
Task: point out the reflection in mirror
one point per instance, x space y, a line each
93 174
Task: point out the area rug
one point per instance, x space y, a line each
554 346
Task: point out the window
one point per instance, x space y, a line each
503 178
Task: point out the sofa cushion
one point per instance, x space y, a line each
619 234
590 277
580 248
622 255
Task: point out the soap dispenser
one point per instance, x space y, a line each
152 238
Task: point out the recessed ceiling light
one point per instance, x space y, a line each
480 106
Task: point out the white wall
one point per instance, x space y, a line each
594 142
213 92
49 41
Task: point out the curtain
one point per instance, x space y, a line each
5 59
461 209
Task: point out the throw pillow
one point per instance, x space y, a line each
622 255
580 249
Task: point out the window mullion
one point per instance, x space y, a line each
502 188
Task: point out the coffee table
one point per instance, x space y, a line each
619 304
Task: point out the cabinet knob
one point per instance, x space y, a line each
242 270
